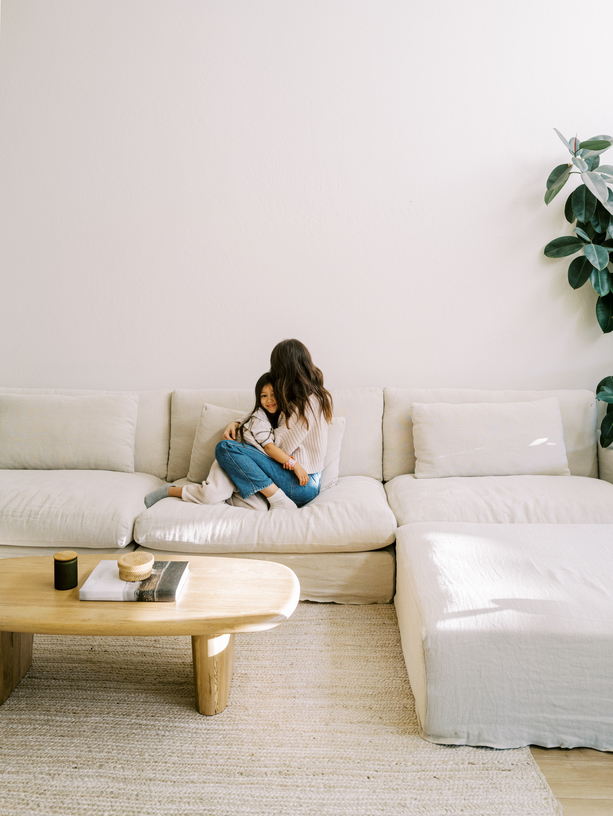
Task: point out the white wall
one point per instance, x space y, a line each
182 184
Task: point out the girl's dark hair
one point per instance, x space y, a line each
265 379
295 379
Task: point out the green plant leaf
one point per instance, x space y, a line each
583 234
555 174
592 161
573 145
606 382
569 213
584 203
557 179
591 232
596 184
604 312
562 139
605 394
609 203
578 162
601 219
606 171
596 255
579 272
595 144
601 281
603 137
610 230
561 247
606 426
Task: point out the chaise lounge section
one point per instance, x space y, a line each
503 596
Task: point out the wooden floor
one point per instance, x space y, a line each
581 779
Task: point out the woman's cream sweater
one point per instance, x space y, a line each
307 445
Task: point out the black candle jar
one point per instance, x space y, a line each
65 569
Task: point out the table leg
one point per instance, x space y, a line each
15 660
213 664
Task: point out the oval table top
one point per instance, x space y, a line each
222 595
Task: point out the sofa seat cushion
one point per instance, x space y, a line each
502 499
80 508
352 516
507 632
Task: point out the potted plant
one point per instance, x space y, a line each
590 208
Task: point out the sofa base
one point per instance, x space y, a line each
344 578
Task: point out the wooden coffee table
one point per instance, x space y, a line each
222 596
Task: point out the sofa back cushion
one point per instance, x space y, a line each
152 436
362 441
577 408
56 432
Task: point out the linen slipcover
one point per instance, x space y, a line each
506 632
352 516
502 499
71 508
59 432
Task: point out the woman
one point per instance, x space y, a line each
307 408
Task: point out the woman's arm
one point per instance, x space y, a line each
283 458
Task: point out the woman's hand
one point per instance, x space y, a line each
230 432
301 474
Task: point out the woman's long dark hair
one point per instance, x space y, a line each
295 379
265 379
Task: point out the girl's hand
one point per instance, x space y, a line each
301 474
230 432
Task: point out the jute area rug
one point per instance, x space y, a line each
320 721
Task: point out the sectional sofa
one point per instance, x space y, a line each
498 555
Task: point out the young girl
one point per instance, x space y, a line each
256 429
307 407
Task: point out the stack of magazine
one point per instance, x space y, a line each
166 582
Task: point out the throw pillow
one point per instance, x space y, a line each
211 425
56 432
489 439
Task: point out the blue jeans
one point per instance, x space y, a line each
252 471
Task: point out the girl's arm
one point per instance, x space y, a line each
230 431
283 458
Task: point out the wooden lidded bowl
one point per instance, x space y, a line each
135 566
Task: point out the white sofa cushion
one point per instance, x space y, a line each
577 407
361 452
489 439
352 516
152 438
501 499
80 508
55 432
506 632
